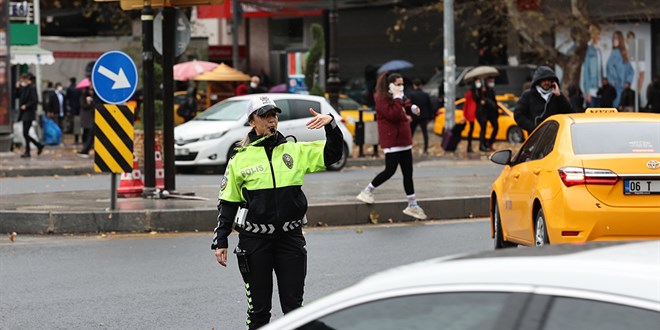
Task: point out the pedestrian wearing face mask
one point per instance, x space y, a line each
541 101
393 114
487 112
27 105
261 197
255 86
56 106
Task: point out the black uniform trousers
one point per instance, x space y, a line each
285 254
28 138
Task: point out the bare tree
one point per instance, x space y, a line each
535 29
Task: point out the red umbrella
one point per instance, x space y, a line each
84 83
188 70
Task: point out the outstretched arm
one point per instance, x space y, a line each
333 149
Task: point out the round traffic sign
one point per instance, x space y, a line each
114 77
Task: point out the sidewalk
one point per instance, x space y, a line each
88 211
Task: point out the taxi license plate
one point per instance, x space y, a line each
181 152
641 187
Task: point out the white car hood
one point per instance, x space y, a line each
195 129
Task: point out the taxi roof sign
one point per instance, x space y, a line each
601 110
138 4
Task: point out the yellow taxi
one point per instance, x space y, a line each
508 129
581 177
350 112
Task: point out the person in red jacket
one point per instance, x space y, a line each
469 113
394 113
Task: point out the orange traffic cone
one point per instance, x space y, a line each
131 184
160 170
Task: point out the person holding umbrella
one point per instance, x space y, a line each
484 97
487 111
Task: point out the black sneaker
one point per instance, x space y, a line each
40 149
25 155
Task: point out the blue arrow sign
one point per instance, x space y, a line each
114 77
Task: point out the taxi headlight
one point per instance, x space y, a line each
212 136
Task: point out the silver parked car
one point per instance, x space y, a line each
208 139
604 285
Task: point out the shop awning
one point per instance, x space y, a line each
32 54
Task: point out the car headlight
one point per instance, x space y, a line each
212 136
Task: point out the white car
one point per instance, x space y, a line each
208 139
598 285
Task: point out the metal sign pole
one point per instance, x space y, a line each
450 64
169 23
113 191
147 17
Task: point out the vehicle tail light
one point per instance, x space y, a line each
570 233
572 176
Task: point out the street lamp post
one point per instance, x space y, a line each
333 62
147 17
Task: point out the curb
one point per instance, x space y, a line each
193 220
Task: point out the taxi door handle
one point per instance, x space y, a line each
516 175
536 171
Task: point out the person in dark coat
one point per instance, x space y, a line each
27 105
627 101
87 104
542 100
255 86
607 94
73 107
422 100
56 107
576 98
654 101
487 112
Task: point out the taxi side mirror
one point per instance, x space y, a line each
501 157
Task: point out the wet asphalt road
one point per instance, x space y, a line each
173 282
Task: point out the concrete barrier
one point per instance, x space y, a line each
190 220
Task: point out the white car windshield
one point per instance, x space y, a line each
224 111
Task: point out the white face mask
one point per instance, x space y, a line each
253 84
394 89
491 84
477 84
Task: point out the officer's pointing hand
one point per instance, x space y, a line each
221 256
319 120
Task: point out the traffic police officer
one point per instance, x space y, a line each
261 196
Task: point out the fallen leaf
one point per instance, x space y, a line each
373 217
12 236
359 231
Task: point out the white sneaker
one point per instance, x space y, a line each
415 212
366 196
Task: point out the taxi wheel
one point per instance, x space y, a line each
500 243
541 232
515 135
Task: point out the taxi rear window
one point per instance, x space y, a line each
616 138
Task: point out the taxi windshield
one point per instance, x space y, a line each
616 138
225 111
